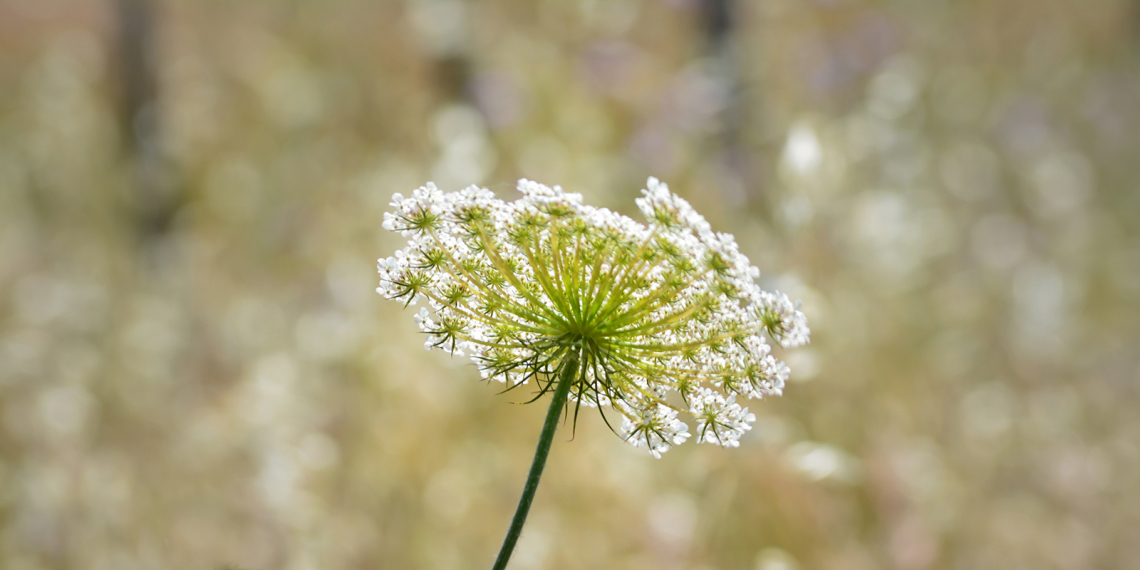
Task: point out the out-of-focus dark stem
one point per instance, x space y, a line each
156 187
565 379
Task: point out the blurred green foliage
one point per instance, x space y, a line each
194 370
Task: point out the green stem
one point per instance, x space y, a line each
569 371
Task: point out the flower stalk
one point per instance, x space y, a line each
561 391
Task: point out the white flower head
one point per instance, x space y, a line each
655 427
720 420
658 321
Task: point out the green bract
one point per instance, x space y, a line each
660 320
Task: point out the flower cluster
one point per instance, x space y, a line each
658 320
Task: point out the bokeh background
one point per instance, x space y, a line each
195 371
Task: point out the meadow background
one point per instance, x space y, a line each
196 372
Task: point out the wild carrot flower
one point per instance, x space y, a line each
653 321
656 322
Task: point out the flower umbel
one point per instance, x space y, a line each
658 321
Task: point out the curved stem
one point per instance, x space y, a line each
565 379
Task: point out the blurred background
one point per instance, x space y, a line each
195 371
